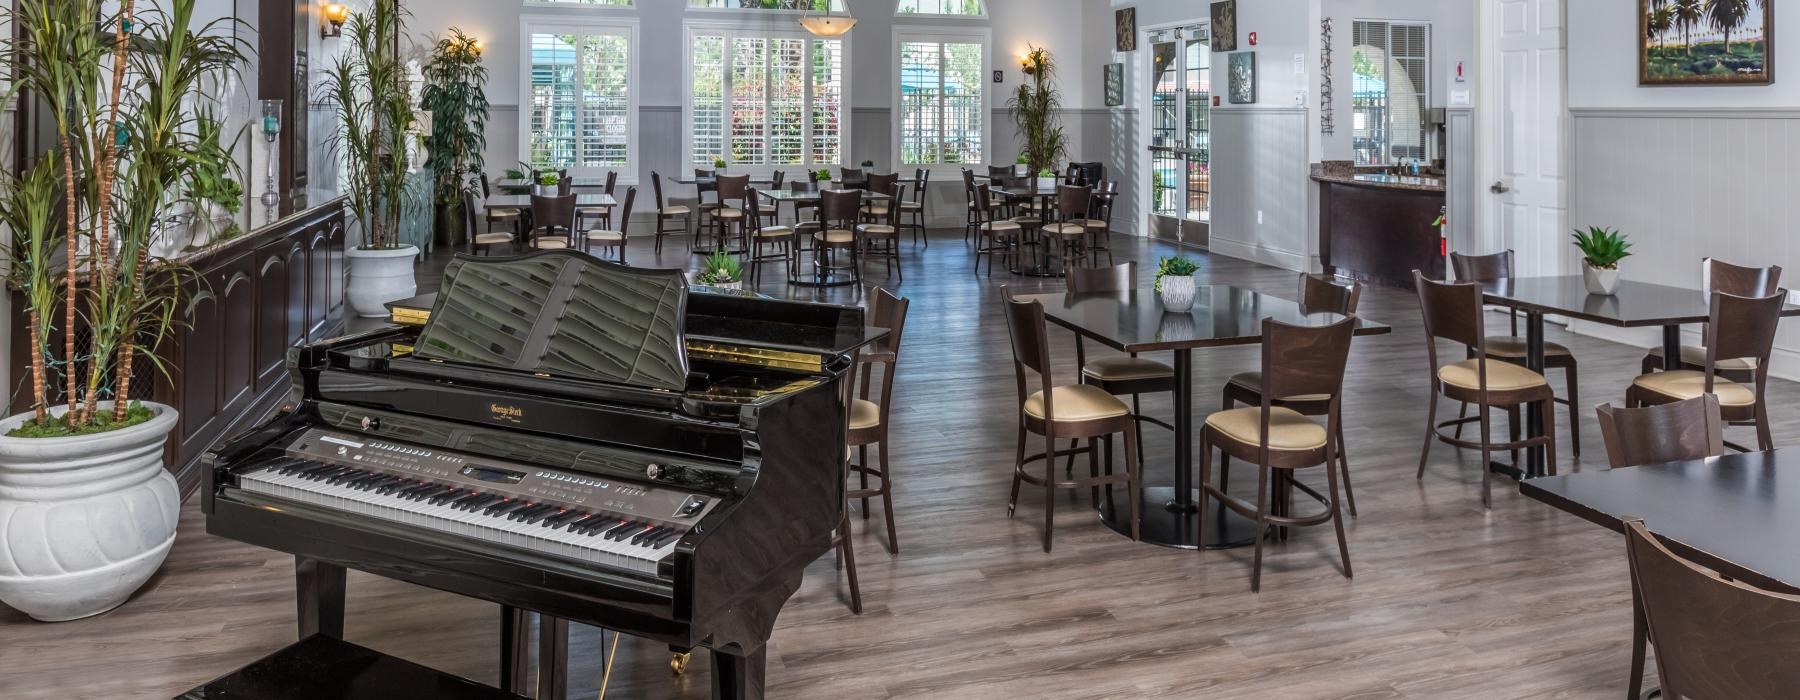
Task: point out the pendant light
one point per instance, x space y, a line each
827 24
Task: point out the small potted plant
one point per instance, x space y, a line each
1046 179
1601 251
1175 283
824 175
1022 165
721 270
868 165
719 164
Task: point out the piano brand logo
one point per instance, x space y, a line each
510 414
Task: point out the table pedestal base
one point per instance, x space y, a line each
1170 525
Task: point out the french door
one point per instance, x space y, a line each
1180 134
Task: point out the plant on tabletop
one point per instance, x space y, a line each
1175 284
1602 249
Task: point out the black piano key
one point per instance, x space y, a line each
606 528
558 520
397 486
461 499
413 493
509 508
288 465
445 496
497 506
669 535
328 471
366 482
576 516
539 514
527 511
645 536
478 503
586 521
345 476
619 530
312 469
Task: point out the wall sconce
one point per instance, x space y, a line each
1025 64
478 46
334 15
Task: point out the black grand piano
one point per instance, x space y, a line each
568 437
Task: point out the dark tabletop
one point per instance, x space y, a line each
1736 513
713 181
809 193
517 184
523 201
1222 315
1635 304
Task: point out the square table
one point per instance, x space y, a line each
808 194
1136 321
1633 305
515 185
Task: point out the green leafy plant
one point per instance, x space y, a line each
214 175
1034 108
520 171
455 82
824 174
1046 172
1023 159
366 84
720 268
721 163
1175 266
868 164
1603 248
28 209
549 179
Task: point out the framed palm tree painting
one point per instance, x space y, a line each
1706 42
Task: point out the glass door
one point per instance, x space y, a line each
1181 134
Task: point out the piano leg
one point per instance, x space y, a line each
515 650
553 658
738 677
319 595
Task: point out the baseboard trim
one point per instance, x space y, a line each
1278 257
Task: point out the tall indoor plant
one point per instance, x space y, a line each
1034 109
454 83
367 87
86 508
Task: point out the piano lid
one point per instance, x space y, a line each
561 313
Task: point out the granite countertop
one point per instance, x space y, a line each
1381 180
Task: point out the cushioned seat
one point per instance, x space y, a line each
1027 221
876 229
1123 368
911 206
775 232
1687 384
1000 226
550 243
1501 376
864 415
497 213
1513 346
1696 355
876 209
1066 229
676 210
1092 223
1076 403
1253 382
492 238
1288 430
729 213
836 235
603 235
597 210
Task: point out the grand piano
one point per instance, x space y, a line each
568 437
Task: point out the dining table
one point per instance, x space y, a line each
521 185
522 202
1045 193
803 194
1632 305
1137 322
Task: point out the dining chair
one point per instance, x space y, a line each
483 241
1030 221
1067 224
839 211
1512 348
1715 637
1063 411
880 236
511 216
1736 327
615 238
1099 221
1452 311
881 183
601 213
771 216
1318 294
869 420
1298 362
732 191
993 235
970 220
770 243
1001 171
1718 275
1119 375
913 210
666 213
548 215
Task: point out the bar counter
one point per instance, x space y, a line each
1377 227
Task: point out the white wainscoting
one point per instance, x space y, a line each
1260 163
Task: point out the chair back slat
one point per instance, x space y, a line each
612 180
1482 268
1669 432
839 206
1073 202
656 187
1000 171
551 213
1452 310
1720 276
625 212
1321 294
753 207
1030 336
732 186
1300 360
888 311
881 182
983 202
1093 280
1743 327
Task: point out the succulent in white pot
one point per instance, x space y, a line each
1175 284
722 270
1601 251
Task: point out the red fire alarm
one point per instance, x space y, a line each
1252 38
1215 100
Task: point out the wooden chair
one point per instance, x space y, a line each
1715 638
615 238
880 237
971 221
511 216
1068 223
882 183
1001 171
1298 362
666 213
1065 411
1453 312
602 214
850 177
1718 275
778 240
913 210
1099 221
772 215
836 234
993 235
1126 375
1318 294
548 215
732 190
702 208
1512 348
868 419
484 241
1737 327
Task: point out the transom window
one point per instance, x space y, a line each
971 8
762 98
941 102
609 3
582 112
1391 65
836 5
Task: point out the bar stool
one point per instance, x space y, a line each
1297 362
666 213
614 238
970 220
1512 348
869 420
1065 411
511 216
1099 221
1453 312
880 238
549 214
1717 275
1069 230
1736 327
487 240
780 239
993 236
838 213
731 190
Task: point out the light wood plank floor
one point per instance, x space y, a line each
1449 600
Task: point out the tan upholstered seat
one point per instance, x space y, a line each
1027 220
775 232
604 235
1288 430
1092 223
911 206
1077 402
1066 229
729 213
1253 382
1123 368
876 229
864 415
1000 226
550 243
1696 355
877 209
1501 376
836 235
492 238
592 211
497 213
1687 384
1511 346
676 210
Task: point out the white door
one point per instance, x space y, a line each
1526 174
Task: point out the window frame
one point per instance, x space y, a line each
535 5
841 6
628 172
1387 146
983 15
755 28
983 36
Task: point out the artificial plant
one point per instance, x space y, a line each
454 94
1034 109
367 87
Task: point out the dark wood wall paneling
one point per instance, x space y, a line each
1379 234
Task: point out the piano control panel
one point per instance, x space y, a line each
513 480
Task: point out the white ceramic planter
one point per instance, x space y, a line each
84 521
1177 293
1600 280
378 277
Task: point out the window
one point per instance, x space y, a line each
972 8
1391 67
582 113
761 98
836 5
941 104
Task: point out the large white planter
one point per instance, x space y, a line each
1177 293
378 276
84 521
1600 280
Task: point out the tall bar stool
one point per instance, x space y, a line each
703 209
836 234
1453 312
666 213
1119 375
778 240
869 420
913 210
614 238
548 215
600 213
1736 327
513 217
1297 362
732 191
484 241
1318 294
1065 411
881 183
1512 348
1718 275
1069 229
993 235
772 215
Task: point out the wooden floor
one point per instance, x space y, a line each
1448 601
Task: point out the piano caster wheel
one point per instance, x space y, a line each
678 662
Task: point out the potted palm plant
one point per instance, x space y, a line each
87 512
366 85
1034 108
454 95
721 270
1175 283
1601 251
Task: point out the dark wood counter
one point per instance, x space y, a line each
1378 228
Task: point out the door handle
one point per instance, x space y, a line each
1499 187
